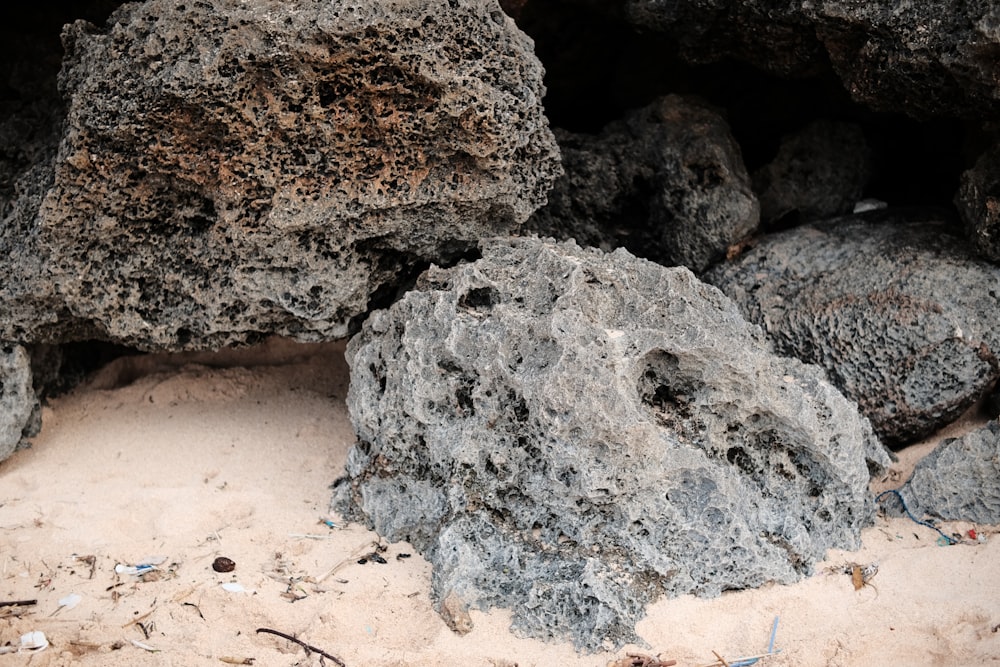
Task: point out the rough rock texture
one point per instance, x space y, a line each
900 314
978 202
20 413
924 58
960 480
228 169
572 434
667 182
819 172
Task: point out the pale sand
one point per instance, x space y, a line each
193 462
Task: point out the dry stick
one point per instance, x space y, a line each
738 661
18 603
721 659
304 645
140 618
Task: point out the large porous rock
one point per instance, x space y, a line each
978 202
572 434
925 58
228 169
820 171
960 480
20 413
900 314
667 182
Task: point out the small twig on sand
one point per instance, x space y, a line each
18 603
137 619
640 660
721 659
745 660
307 647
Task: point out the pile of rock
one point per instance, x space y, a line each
567 432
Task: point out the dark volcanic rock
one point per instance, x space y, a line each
925 58
572 434
978 202
20 413
960 480
667 182
900 314
819 172
228 169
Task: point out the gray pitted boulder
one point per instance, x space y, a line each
900 313
960 480
231 169
934 57
667 182
978 202
20 413
572 434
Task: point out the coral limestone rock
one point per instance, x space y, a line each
229 169
19 408
960 480
572 434
902 316
667 182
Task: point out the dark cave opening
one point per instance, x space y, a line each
30 46
598 67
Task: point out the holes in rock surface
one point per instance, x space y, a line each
463 386
332 93
201 223
568 476
463 396
490 467
706 175
665 389
519 407
739 457
183 336
637 528
379 377
480 299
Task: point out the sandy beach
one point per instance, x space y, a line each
178 460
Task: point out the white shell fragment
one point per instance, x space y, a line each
70 601
33 642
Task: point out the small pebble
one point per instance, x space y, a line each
223 564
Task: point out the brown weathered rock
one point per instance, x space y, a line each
229 169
